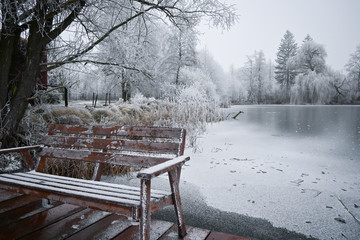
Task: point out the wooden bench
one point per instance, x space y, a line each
153 150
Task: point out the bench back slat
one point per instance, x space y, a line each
101 157
119 145
125 131
112 145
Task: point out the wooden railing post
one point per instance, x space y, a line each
28 159
145 209
174 178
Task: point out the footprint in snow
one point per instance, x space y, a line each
297 182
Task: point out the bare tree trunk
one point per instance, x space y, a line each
6 53
25 86
8 42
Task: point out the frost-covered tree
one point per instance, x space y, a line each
260 74
353 71
182 44
308 38
216 75
316 83
247 77
42 22
284 73
328 87
256 77
310 57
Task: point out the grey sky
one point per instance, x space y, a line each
262 24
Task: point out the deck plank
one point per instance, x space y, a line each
22 212
193 233
15 202
224 236
106 228
24 217
5 195
157 229
68 226
35 222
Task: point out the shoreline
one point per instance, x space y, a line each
199 214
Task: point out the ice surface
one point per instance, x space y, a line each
296 183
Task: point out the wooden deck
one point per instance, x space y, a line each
25 217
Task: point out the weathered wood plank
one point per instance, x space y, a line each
21 212
87 187
15 202
155 193
5 195
193 233
115 145
103 157
106 228
174 178
19 149
21 186
68 226
145 209
85 201
157 229
133 131
37 221
28 159
224 236
162 167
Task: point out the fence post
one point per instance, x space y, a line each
106 96
96 97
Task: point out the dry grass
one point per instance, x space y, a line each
190 114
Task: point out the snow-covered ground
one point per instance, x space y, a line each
304 186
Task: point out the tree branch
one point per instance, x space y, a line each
72 58
58 30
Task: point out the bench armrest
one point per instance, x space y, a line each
161 168
19 149
24 153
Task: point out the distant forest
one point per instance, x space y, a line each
163 60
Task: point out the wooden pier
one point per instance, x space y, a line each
27 217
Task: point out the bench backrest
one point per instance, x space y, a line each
118 145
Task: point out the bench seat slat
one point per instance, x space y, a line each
61 189
110 144
102 157
72 193
133 131
134 193
98 183
80 188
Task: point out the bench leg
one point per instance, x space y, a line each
145 210
174 177
46 203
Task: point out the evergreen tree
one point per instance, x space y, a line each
353 70
308 38
284 73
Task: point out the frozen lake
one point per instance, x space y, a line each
335 129
296 166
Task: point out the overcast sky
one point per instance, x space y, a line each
262 25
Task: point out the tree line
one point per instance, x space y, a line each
298 76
